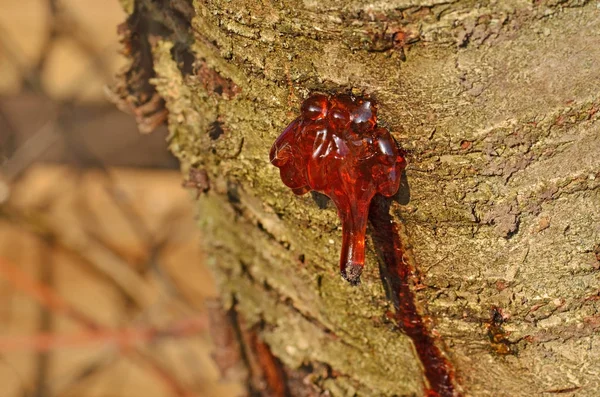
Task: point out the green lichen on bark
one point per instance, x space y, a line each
128 6
498 106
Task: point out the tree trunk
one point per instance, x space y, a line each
488 258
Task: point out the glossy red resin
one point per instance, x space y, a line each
335 147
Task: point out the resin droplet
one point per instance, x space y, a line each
335 147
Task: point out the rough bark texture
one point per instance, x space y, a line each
497 103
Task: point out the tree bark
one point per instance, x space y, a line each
496 226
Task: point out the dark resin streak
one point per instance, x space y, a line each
335 147
396 273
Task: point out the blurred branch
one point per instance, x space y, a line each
31 150
44 295
63 127
94 253
66 384
121 339
160 372
48 298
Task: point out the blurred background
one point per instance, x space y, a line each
103 289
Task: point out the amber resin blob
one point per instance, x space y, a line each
336 148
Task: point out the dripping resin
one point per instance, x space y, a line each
336 148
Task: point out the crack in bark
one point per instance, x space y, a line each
247 342
288 302
278 376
